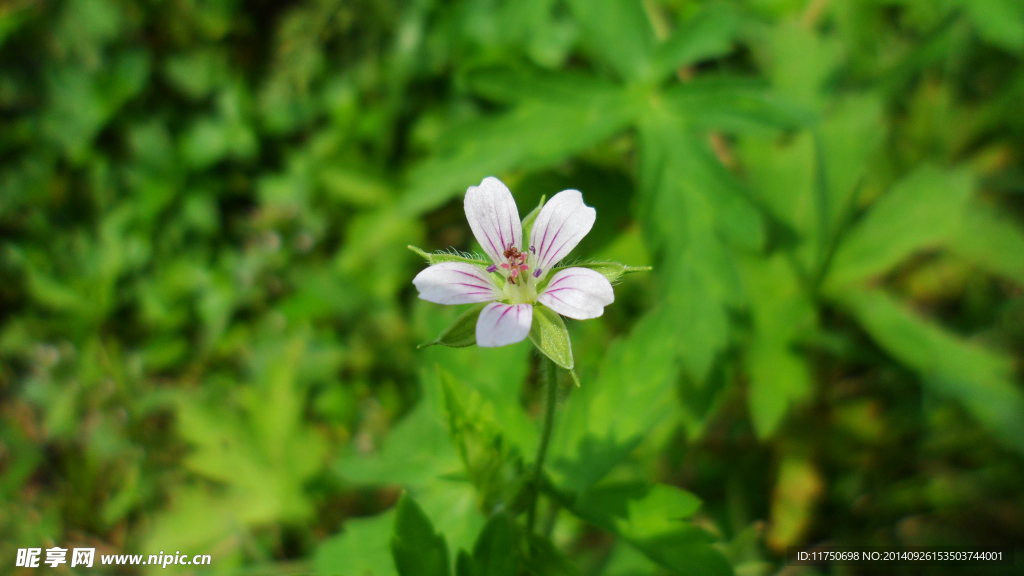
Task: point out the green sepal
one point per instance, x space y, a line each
417 548
613 271
549 335
528 223
462 332
575 378
442 257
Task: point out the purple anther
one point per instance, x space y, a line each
492 268
533 250
537 272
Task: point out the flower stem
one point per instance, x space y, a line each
550 373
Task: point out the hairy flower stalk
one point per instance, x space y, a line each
521 291
550 377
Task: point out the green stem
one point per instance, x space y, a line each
549 371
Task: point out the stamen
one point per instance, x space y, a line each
492 268
536 274
532 249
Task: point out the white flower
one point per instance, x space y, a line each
518 279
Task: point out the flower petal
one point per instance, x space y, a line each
500 324
455 283
579 293
559 227
494 218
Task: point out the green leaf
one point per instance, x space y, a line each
658 511
441 257
635 510
417 549
454 507
703 326
707 35
625 560
549 335
259 450
535 134
360 550
734 105
979 378
635 391
595 457
800 61
510 85
687 551
619 32
652 519
494 553
544 559
990 240
530 218
352 186
782 175
846 141
1000 22
781 312
199 519
683 181
417 450
372 254
462 331
490 462
196 74
613 271
920 212
696 212
778 379
497 374
464 565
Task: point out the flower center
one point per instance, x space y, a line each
520 285
515 265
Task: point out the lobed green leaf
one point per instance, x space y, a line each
990 240
417 549
361 550
781 312
919 213
979 378
534 134
652 519
707 35
494 553
618 32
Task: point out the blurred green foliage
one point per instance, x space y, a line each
209 333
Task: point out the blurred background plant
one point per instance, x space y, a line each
208 326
